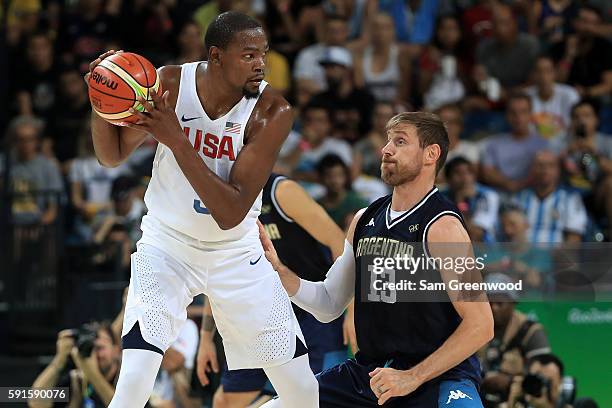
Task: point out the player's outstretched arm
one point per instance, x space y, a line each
112 144
228 202
325 300
295 202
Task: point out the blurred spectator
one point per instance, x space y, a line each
316 142
86 29
96 355
477 22
146 28
190 44
541 386
517 257
368 151
414 19
127 211
452 117
340 201
383 67
22 19
351 107
555 213
172 385
587 161
507 157
69 121
585 59
307 72
508 56
35 78
277 72
90 187
36 183
443 65
517 339
552 20
552 102
478 204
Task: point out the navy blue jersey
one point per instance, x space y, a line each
295 247
406 331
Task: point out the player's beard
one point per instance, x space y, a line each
397 174
250 94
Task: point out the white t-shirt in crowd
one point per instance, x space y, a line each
95 179
553 116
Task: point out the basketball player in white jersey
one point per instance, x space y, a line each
219 130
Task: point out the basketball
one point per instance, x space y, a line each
117 82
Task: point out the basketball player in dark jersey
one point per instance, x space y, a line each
411 354
307 240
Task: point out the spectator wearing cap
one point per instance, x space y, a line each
552 102
509 55
507 157
478 204
351 107
516 339
172 385
555 213
585 58
308 74
36 182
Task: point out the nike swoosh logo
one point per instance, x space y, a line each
184 119
257 260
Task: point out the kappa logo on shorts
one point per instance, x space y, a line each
455 395
254 262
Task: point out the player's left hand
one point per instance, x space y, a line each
268 247
389 382
159 120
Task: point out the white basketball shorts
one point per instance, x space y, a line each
252 311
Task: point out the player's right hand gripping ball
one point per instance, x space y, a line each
117 82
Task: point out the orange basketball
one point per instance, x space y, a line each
117 81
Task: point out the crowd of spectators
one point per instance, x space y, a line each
523 87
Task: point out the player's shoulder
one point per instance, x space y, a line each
271 104
170 77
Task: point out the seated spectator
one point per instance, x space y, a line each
127 211
509 55
36 78
172 385
478 204
545 372
444 65
414 20
92 383
340 201
551 20
517 339
383 67
585 59
555 213
517 257
69 120
316 142
367 152
307 72
452 116
36 182
552 102
351 107
507 158
190 44
90 187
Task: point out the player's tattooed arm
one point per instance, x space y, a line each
208 321
207 353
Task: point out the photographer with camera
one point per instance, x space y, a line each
96 355
516 340
587 161
542 386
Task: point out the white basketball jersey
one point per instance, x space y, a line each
169 197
